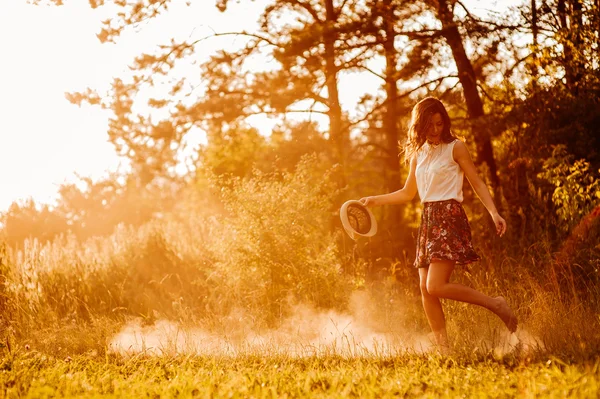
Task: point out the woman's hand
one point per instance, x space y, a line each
368 201
500 224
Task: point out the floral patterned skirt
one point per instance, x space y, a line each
444 234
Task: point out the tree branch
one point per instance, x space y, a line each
318 98
243 33
517 63
339 11
480 21
449 91
371 71
352 62
383 103
287 111
306 7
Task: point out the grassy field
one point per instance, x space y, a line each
32 374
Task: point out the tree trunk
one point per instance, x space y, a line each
534 32
570 18
576 29
598 23
390 125
468 80
391 113
561 8
336 134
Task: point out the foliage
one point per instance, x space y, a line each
577 187
250 262
27 220
233 152
275 245
571 56
88 208
270 248
551 85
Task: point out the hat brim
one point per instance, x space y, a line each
346 223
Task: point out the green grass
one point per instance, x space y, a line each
33 374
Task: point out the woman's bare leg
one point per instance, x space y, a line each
438 285
434 313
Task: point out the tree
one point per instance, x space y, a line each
96 208
28 220
307 69
426 57
468 80
573 24
233 152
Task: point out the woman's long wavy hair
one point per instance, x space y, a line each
420 121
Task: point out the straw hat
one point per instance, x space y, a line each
357 220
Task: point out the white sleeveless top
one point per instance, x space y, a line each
439 177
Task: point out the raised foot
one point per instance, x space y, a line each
506 314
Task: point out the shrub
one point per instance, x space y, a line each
577 189
276 245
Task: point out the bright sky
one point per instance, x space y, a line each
47 51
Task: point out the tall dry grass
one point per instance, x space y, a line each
263 270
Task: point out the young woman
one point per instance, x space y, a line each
438 163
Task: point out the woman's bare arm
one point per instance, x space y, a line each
463 159
405 194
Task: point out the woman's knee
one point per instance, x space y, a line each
438 277
434 288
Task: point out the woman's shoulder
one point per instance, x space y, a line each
457 143
459 149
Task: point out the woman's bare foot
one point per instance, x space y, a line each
505 313
444 350
441 339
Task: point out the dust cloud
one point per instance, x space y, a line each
362 331
521 341
308 332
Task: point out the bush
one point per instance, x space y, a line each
276 247
577 189
270 249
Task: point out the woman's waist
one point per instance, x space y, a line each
441 202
